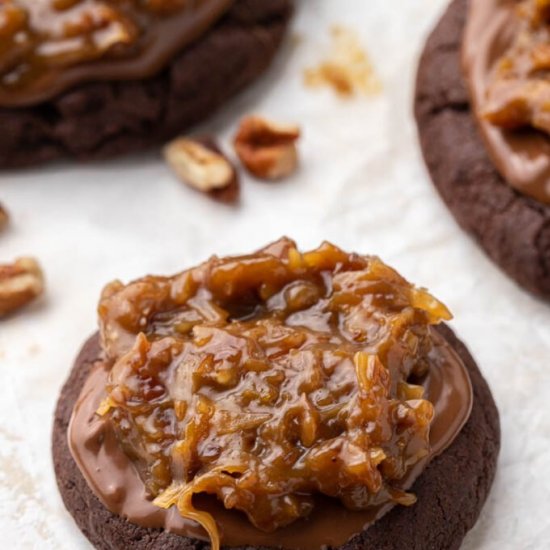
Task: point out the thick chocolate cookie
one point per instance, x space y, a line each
451 492
514 230
105 119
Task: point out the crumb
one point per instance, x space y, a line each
348 69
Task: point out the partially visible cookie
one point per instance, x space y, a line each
107 119
513 229
451 491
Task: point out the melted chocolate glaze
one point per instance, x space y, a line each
521 157
113 478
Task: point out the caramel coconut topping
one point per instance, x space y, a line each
518 93
506 57
276 385
47 46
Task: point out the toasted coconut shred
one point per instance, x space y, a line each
268 379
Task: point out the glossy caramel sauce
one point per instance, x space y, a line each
49 46
267 397
506 60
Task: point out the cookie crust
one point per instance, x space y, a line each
107 119
513 229
451 492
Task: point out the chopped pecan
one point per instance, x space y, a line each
200 164
267 149
20 283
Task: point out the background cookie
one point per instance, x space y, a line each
514 230
110 118
451 492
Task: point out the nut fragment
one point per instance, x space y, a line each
4 217
267 149
200 164
20 283
347 69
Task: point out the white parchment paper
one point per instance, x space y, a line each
362 185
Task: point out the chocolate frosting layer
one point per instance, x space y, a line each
161 37
521 157
113 478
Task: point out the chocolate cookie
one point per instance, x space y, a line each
106 119
513 229
451 491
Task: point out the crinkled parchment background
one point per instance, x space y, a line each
362 185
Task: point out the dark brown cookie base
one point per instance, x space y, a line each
451 492
112 118
514 230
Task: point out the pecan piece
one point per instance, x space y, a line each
267 149
20 283
200 164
